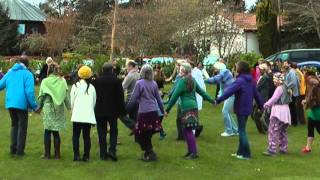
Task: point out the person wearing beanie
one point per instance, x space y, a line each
110 106
224 78
53 98
186 90
280 117
83 101
20 97
146 96
245 91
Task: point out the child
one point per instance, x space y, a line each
83 100
186 90
244 90
147 95
312 103
280 117
53 98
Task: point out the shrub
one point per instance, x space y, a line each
250 58
35 44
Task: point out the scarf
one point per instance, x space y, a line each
56 87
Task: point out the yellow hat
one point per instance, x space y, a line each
85 72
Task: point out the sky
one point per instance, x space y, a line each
249 3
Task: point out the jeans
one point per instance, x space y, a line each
230 126
85 128
102 124
243 148
19 125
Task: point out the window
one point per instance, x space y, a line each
314 55
299 56
283 56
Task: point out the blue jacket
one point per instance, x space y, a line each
224 78
245 90
19 85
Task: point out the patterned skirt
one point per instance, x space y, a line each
149 121
190 119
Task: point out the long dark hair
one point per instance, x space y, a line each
88 81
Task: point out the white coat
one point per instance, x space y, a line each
83 103
198 76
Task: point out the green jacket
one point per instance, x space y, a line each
188 99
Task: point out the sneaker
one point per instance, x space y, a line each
240 157
192 156
187 155
225 134
305 150
234 155
268 153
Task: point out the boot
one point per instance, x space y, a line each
47 149
57 154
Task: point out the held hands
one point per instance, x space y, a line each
38 110
166 114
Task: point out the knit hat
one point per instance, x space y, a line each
278 77
85 72
220 66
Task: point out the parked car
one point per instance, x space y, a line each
304 56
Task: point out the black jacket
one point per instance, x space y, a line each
110 96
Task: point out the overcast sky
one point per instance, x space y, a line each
249 3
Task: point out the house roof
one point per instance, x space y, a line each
247 22
23 11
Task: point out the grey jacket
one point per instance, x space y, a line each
129 82
292 82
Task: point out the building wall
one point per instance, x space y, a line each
33 27
245 43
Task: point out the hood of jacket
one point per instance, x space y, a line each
18 66
246 77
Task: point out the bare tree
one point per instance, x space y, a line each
303 15
59 32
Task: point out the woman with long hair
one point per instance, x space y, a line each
186 90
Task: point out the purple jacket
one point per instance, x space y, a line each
245 90
146 94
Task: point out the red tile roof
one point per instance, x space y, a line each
246 21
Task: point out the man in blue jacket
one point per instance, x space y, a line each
19 85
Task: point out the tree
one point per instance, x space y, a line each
303 16
267 28
59 33
9 33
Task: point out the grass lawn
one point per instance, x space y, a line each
215 155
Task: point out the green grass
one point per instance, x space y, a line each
215 161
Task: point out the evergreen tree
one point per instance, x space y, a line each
8 33
268 35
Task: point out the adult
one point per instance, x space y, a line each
292 83
245 91
202 68
115 68
44 70
224 78
128 85
302 92
276 67
198 76
178 116
159 76
265 87
109 106
255 72
148 122
83 100
53 98
19 85
186 90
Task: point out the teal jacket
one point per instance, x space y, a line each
19 85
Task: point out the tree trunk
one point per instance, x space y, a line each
113 29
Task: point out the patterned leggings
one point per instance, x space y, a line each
277 136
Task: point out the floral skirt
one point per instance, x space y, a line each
149 121
190 119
